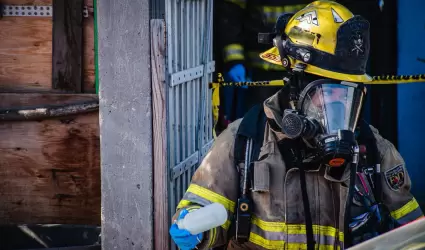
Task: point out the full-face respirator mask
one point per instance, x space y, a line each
325 118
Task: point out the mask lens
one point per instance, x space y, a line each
335 106
335 111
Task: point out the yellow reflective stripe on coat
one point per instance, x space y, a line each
184 203
280 244
211 196
240 3
213 237
233 52
276 234
193 208
196 194
273 226
407 208
188 205
407 213
271 13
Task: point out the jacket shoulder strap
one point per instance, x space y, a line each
252 126
367 138
249 136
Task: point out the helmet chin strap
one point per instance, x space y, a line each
296 74
296 84
307 143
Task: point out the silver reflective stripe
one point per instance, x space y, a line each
415 214
266 234
233 53
201 201
196 199
292 238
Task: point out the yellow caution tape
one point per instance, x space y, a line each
385 79
388 79
215 107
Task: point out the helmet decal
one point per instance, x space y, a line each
358 45
309 17
337 17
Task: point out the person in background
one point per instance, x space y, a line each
238 23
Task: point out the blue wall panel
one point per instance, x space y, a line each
411 97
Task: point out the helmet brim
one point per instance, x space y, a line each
272 56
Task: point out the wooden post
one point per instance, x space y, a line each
67 64
159 104
125 124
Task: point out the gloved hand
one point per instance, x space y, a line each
183 238
237 73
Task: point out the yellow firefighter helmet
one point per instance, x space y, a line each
325 39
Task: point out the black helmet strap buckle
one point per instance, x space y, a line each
294 81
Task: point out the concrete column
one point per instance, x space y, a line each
125 124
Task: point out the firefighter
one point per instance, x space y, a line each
238 22
302 170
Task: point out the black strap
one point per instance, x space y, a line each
308 221
347 212
252 126
297 163
367 138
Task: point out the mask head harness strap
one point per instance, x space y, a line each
278 39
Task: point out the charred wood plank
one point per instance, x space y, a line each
48 111
67 63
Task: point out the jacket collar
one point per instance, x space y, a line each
273 108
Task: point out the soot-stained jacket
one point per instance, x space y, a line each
278 214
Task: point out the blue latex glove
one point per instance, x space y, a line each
237 74
183 238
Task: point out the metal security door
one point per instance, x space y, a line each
190 67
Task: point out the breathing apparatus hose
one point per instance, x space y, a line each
350 195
